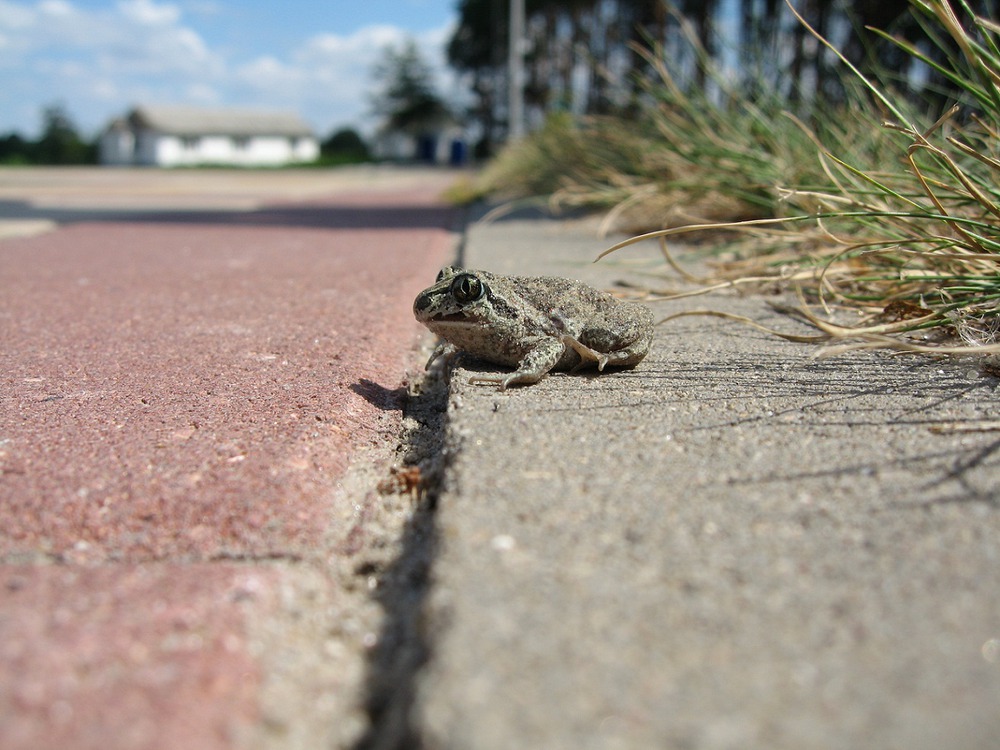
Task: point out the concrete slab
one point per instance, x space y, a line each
731 546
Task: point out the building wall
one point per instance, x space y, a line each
149 148
445 146
117 147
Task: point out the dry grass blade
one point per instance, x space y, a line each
747 225
855 211
813 339
928 234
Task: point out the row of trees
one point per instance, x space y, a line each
59 143
582 55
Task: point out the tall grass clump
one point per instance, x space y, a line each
877 206
592 162
913 240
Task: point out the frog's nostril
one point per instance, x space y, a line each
421 303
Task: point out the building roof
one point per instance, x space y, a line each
195 121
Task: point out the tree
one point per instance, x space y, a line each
60 142
588 56
15 150
345 146
407 100
478 49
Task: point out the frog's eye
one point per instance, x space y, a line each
467 288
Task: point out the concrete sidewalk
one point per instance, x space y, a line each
730 546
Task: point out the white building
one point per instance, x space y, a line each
185 136
447 144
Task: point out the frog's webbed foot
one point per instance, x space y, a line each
503 381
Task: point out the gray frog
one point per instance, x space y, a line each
534 324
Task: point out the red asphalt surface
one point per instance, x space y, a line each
179 396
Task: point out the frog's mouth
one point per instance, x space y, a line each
459 317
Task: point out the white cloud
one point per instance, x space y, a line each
148 13
56 9
100 62
269 78
137 32
13 16
105 90
200 93
338 69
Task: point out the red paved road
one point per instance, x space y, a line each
177 392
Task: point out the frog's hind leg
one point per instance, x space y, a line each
627 357
586 353
531 369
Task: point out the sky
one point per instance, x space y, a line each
98 58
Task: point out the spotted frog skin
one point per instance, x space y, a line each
532 323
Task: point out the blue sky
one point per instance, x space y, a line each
99 57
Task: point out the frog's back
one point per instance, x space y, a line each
596 318
572 297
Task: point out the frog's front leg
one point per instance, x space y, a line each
445 350
532 368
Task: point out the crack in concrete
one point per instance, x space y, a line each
402 646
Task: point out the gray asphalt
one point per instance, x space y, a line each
731 546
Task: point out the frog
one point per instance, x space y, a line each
534 324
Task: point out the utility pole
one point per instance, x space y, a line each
515 72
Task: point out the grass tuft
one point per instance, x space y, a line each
873 206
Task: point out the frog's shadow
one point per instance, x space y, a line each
386 399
